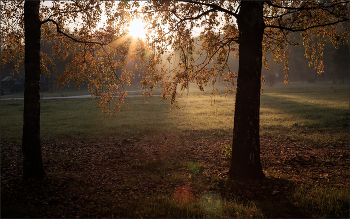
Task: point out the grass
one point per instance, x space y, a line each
305 106
148 162
324 202
312 106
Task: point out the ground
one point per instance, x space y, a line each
108 178
181 172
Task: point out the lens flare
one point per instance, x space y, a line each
183 194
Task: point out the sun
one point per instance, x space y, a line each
136 29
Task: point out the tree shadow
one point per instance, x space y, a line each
274 196
314 115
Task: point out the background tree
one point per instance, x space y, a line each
341 62
247 29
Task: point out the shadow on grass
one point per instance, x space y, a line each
273 196
312 115
35 198
66 196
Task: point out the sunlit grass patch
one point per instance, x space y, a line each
236 209
168 206
323 202
184 204
211 204
196 112
308 106
194 167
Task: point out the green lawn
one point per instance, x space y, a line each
301 106
150 162
305 105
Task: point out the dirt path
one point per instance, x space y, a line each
9 99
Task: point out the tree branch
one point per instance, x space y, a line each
303 7
70 37
213 6
307 28
206 62
64 12
193 18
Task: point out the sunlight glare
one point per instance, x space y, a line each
136 29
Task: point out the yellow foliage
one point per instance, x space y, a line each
186 42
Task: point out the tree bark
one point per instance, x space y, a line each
246 162
31 146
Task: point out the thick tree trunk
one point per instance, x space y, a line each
31 147
245 162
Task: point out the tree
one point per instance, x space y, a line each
31 147
255 28
341 61
26 23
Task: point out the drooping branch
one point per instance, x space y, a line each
193 18
307 28
303 7
290 11
58 29
207 60
213 6
64 12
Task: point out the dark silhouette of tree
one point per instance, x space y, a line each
31 147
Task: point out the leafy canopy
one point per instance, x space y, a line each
205 35
187 41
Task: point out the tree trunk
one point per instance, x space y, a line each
246 162
31 147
